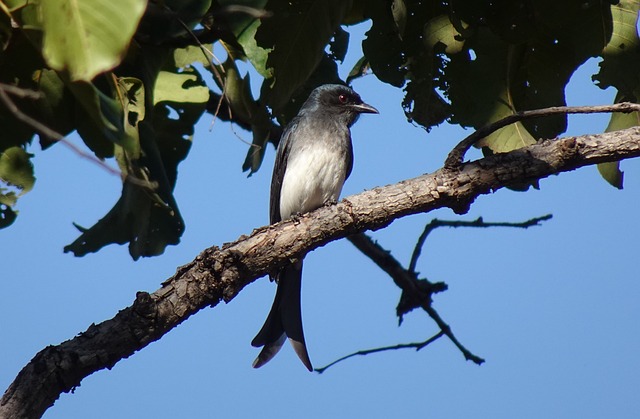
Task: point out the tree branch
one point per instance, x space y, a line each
416 345
219 274
478 222
418 290
456 156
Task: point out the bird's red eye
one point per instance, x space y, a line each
342 98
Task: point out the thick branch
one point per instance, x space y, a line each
219 274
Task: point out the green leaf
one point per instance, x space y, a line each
620 66
185 57
490 60
399 12
99 119
480 102
149 220
382 47
360 68
429 30
184 87
244 107
8 197
514 64
87 37
16 169
16 179
173 134
551 55
131 95
611 171
170 20
237 22
355 14
138 219
298 32
55 107
26 13
20 66
423 104
103 121
255 154
440 31
256 54
244 27
237 90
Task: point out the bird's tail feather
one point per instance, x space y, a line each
284 319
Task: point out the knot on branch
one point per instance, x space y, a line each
419 296
569 149
144 306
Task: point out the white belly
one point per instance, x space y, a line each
311 180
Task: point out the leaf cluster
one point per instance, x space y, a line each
130 76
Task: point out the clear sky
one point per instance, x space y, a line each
554 309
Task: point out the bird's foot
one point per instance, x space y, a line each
330 202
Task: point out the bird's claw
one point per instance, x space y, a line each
330 202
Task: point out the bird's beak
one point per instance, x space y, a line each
364 108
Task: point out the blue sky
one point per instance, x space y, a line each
553 309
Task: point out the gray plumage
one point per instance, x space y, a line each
313 160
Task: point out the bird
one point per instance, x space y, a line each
313 160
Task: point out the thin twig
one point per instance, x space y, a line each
214 69
204 50
21 93
210 33
37 125
247 10
408 282
56 136
416 345
45 130
478 222
224 114
456 156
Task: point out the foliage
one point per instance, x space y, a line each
127 75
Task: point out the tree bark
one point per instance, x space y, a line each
219 274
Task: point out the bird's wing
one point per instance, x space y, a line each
349 157
279 168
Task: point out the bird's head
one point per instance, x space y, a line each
340 101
